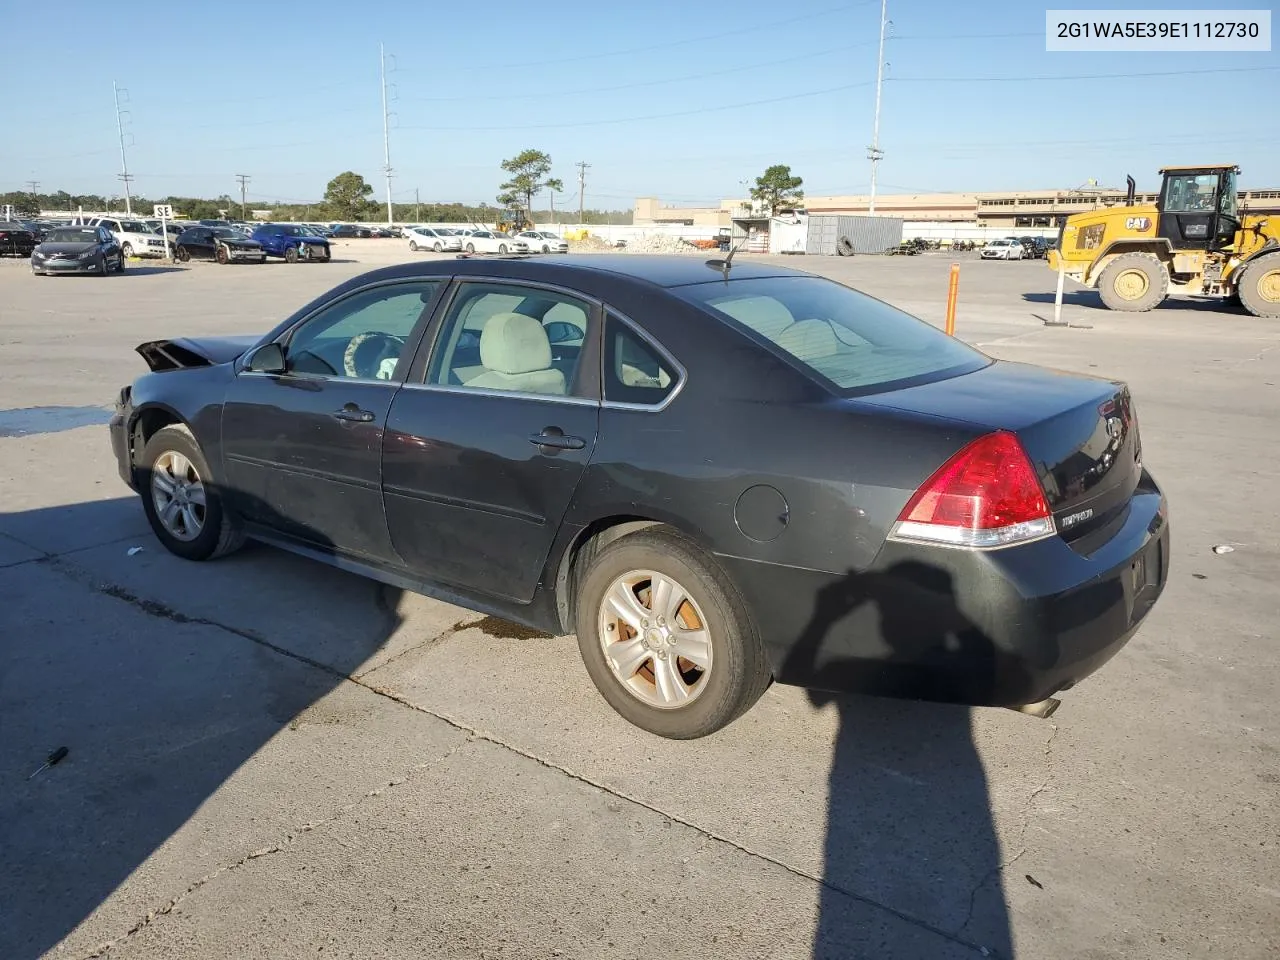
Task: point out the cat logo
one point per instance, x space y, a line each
1137 223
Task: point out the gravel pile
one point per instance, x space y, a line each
660 243
590 243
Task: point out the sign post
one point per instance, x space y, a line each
165 212
1057 297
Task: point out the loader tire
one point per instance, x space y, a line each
844 247
1134 283
1259 286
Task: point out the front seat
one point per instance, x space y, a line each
516 355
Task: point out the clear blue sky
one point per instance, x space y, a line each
667 98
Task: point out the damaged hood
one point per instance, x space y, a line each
185 352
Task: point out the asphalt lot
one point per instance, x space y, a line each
270 758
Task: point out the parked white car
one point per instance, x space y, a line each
543 241
1007 249
487 241
438 239
136 239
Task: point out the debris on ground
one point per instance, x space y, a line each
133 551
1222 548
660 243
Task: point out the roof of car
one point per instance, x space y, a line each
671 270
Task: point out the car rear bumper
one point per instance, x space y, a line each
986 628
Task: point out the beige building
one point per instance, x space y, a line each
1012 209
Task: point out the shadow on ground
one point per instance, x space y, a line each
1090 298
909 821
156 721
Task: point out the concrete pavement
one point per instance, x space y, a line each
270 758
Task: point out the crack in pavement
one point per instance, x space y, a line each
163 611
280 846
1027 816
46 555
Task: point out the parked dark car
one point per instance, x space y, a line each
1036 247
291 242
77 250
224 244
735 473
16 239
347 231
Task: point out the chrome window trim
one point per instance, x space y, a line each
490 392
663 353
320 377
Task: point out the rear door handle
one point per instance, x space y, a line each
555 438
354 414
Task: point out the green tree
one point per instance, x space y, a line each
528 169
777 188
347 196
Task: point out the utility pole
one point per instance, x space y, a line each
417 206
33 186
244 178
124 164
874 153
386 128
582 166
552 195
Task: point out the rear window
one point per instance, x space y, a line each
852 342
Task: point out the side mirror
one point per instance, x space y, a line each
268 358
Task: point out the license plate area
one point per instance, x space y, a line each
1145 569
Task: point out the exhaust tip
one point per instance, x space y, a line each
1044 709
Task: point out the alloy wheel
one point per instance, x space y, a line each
178 494
655 639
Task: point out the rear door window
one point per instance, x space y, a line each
635 371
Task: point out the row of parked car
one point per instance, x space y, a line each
478 240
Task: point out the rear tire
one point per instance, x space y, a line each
844 247
120 264
219 532
1134 283
183 255
737 670
471 248
291 255
1259 286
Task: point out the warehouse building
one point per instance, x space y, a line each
1007 211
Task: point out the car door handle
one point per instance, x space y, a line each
354 414
555 438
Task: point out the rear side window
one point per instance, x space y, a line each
848 340
634 370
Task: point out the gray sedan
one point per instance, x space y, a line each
77 250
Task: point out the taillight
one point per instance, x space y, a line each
987 495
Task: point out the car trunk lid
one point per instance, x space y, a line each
1081 433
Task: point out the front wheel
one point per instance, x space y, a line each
222 256
184 508
183 255
127 250
1133 283
665 637
291 255
1259 286
502 248
413 245
471 248
437 246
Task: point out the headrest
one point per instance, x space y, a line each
513 343
809 339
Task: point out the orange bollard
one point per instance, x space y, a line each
951 299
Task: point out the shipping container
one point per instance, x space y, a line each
866 234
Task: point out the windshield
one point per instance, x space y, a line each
852 342
227 232
72 235
134 226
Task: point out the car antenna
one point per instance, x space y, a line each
724 265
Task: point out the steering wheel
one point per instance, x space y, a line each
367 354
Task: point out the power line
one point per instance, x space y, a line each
703 39
1080 76
579 91
660 116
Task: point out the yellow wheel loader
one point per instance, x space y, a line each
1194 240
